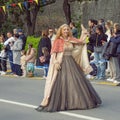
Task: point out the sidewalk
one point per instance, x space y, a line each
38 73
103 82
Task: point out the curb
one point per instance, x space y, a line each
32 78
108 83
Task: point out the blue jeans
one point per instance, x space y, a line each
46 69
10 56
101 65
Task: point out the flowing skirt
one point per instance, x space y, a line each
71 90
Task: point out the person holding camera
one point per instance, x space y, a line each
8 43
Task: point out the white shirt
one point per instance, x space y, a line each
11 39
108 33
3 54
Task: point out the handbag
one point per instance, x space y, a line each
105 52
113 48
98 48
110 50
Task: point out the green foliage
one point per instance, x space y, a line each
20 17
10 21
78 25
5 2
1 46
33 40
7 26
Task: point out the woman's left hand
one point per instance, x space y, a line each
57 66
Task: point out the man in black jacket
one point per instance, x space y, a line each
115 59
92 30
22 37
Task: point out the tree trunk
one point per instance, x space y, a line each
31 20
67 11
2 16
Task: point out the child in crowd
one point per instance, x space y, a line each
93 73
45 59
92 63
30 60
23 63
3 61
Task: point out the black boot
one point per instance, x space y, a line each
39 108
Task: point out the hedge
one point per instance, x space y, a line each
33 40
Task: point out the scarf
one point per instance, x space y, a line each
58 45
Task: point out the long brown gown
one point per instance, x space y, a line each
70 89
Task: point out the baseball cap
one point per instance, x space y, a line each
20 30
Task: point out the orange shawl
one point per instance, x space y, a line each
58 45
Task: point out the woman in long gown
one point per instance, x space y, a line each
66 87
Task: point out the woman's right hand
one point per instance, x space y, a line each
57 66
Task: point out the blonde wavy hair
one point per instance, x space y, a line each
109 23
117 26
59 32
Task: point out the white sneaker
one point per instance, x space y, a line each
44 77
3 73
88 76
110 80
15 75
116 82
23 76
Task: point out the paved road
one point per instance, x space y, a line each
19 96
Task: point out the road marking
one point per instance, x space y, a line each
17 103
64 113
80 116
